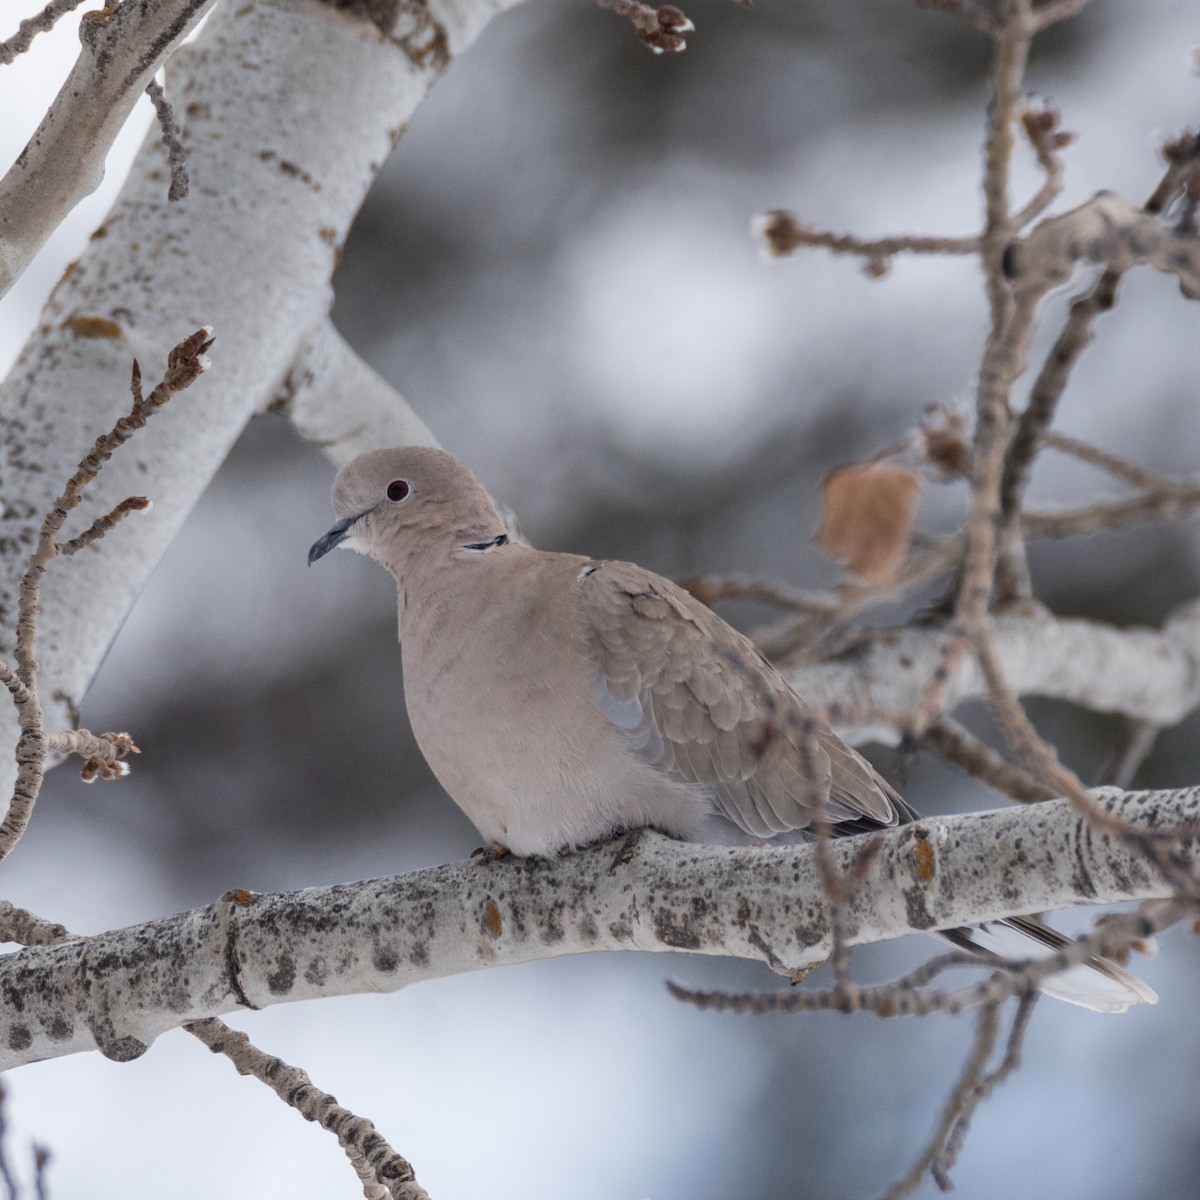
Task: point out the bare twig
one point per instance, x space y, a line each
10 1182
945 1161
1131 750
909 997
171 139
1003 361
959 1102
1113 516
967 11
102 753
41 1160
1056 11
1156 845
782 233
384 1172
32 26
185 363
101 525
964 749
1105 460
710 589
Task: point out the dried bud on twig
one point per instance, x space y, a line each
661 29
943 442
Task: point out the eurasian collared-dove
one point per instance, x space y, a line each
561 699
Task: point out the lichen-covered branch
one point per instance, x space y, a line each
118 991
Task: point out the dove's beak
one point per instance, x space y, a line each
338 534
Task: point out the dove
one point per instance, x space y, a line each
561 699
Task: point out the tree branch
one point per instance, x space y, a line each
123 47
339 403
118 991
298 140
1142 673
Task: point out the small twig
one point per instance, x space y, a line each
959 1102
948 1155
30 28
908 997
1105 460
1041 758
185 363
789 640
1133 747
101 525
10 1183
661 29
710 589
782 233
383 1171
964 749
1056 11
1040 123
966 11
102 752
172 139
41 1160
1114 516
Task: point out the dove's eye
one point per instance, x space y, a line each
398 490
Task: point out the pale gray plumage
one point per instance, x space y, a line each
560 699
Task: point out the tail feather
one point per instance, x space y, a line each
1096 983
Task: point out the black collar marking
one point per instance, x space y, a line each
500 540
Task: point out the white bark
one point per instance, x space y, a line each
339 403
289 108
118 991
1146 674
64 160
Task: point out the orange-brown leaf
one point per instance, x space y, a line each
867 519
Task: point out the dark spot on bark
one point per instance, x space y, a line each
316 972
283 978
385 960
19 1037
673 930
918 912
419 955
59 1029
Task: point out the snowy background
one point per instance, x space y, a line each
555 268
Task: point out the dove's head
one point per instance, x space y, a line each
392 504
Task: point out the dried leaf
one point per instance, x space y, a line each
867 518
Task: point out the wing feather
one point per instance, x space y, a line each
698 701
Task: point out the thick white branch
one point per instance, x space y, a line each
289 108
338 402
64 161
1151 675
118 991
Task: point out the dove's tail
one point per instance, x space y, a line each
1096 983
